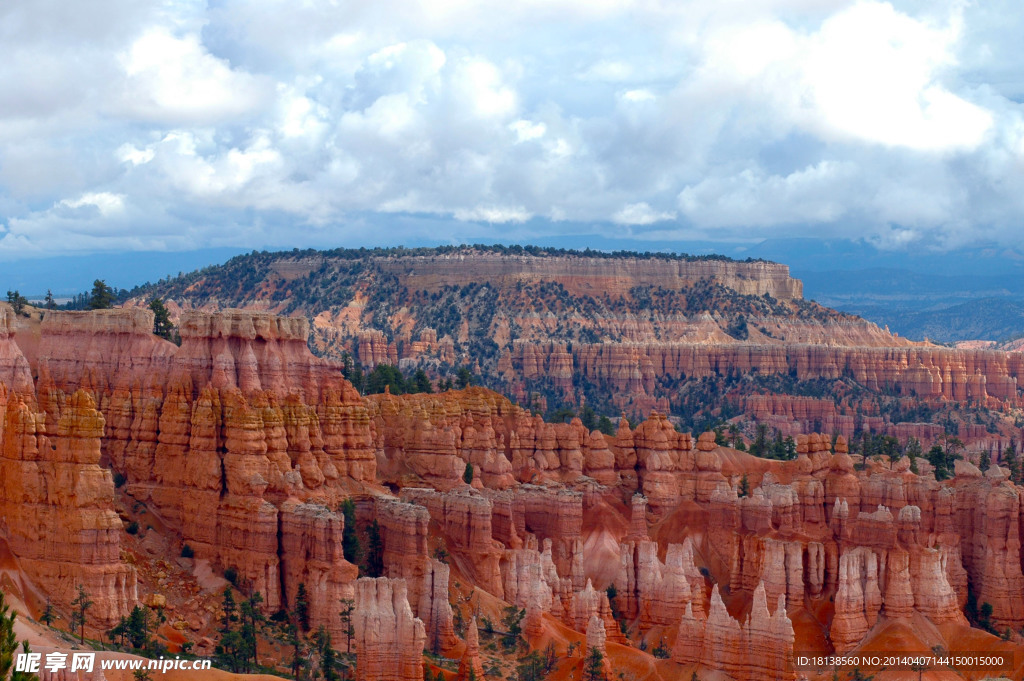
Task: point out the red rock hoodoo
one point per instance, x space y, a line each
243 445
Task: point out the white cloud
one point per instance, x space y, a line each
171 78
128 153
891 91
527 130
724 117
640 214
106 203
495 214
478 84
638 95
815 194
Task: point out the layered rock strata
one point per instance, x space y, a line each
388 640
57 507
760 648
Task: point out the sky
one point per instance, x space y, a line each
149 126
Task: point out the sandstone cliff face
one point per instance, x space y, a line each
56 506
629 331
404 530
581 275
656 593
240 438
245 444
311 554
464 517
925 372
388 639
761 648
14 368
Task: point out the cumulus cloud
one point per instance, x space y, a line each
640 214
184 125
169 78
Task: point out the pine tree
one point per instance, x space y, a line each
913 451
49 302
237 647
252 620
420 383
467 474
513 623
136 628
302 607
8 643
594 668
328 657
350 544
984 461
230 610
162 325
744 486
17 301
102 296
1012 462
374 551
348 607
81 605
48 614
760 445
940 461
229 651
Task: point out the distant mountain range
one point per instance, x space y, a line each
970 294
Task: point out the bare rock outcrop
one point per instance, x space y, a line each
388 640
56 506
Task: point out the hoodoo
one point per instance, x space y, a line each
465 527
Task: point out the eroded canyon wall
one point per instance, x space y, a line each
245 444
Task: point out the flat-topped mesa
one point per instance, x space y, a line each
15 372
582 275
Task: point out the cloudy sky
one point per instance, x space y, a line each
133 125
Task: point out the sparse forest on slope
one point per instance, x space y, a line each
696 337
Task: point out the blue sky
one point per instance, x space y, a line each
151 126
